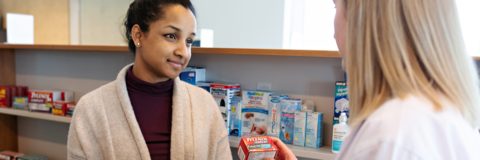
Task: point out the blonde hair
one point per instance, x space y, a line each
401 47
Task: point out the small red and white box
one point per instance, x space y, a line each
59 108
42 101
69 109
257 148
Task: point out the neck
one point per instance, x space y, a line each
146 73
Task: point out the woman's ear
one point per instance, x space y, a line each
137 35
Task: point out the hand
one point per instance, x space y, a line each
284 153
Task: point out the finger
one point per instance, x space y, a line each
267 159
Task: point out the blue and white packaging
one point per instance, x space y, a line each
235 116
222 94
193 74
289 106
204 84
314 130
274 115
341 101
299 128
254 113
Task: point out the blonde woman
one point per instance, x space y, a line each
413 89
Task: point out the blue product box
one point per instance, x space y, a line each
236 116
341 100
314 131
299 128
193 74
289 106
20 103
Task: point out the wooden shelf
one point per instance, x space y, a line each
241 51
37 115
323 153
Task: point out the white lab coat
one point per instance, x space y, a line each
411 129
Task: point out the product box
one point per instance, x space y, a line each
257 148
254 113
289 106
20 103
193 74
299 128
274 115
5 97
70 107
32 157
314 131
9 155
222 94
341 101
205 85
42 101
59 108
235 116
22 91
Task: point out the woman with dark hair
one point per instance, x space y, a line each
147 112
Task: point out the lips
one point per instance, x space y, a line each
175 63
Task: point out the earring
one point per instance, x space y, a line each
138 44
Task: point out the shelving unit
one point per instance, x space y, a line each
323 153
37 115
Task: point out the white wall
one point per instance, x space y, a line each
242 24
83 71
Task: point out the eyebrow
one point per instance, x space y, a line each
178 29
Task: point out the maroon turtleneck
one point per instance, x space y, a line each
152 105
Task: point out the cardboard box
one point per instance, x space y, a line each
193 74
9 155
299 128
341 101
70 107
59 108
20 103
236 116
254 113
314 131
256 148
42 101
289 106
222 94
274 115
204 84
5 97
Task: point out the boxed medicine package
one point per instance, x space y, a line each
192 75
235 116
222 94
257 148
254 113
274 115
314 130
289 106
299 128
341 101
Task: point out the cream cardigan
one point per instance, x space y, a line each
104 125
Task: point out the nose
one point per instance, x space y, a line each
181 50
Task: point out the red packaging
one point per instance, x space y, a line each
69 109
22 91
256 148
59 107
42 101
5 97
25 91
13 91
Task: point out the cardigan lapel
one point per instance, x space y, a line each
129 114
182 137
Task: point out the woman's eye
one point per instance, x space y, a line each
189 41
170 36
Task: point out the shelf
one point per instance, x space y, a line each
323 153
37 115
241 51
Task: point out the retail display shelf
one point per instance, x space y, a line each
205 50
323 153
37 115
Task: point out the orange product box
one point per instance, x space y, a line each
69 109
9 155
5 97
256 148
